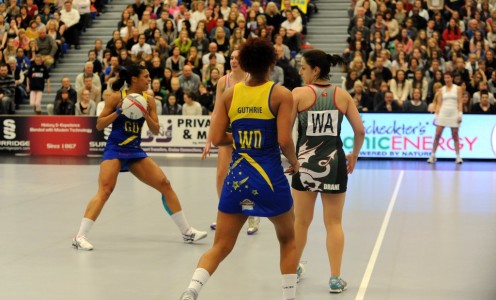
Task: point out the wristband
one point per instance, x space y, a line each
118 111
460 114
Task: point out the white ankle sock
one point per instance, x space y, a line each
200 277
85 227
289 286
180 219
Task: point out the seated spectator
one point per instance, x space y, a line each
211 65
476 98
191 107
175 62
63 104
183 42
70 17
88 72
212 49
484 106
277 75
400 87
466 102
389 104
95 93
404 39
142 47
291 77
211 83
176 90
7 91
415 104
452 33
294 28
205 99
158 92
85 106
67 87
194 59
47 47
360 97
189 81
171 107
419 82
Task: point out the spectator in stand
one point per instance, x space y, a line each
7 90
83 8
466 102
85 106
189 81
211 84
141 47
415 104
88 72
452 33
389 104
405 40
175 62
206 70
63 104
177 90
159 93
400 87
183 42
191 107
361 98
172 107
144 22
139 7
484 106
20 89
277 75
95 93
165 82
381 73
70 17
47 47
212 49
476 98
205 99
36 79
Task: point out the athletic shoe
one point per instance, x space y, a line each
432 160
253 224
81 243
194 235
459 161
189 294
299 272
213 226
337 284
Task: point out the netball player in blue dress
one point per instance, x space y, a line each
123 153
324 165
258 112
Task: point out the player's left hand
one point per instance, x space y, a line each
351 160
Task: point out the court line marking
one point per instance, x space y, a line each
378 243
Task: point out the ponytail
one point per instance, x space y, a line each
335 59
119 83
318 58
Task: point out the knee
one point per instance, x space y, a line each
165 183
303 221
224 248
105 191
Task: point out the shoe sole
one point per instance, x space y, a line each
337 291
193 241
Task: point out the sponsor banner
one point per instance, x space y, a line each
178 134
412 136
302 5
387 136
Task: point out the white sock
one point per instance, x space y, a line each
180 219
85 227
200 277
289 286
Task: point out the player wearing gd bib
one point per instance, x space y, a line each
123 152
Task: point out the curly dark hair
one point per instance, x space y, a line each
256 56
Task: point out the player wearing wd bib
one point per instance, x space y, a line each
124 141
319 146
255 184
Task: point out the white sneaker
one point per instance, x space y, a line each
432 160
194 235
459 161
189 294
253 224
299 272
81 243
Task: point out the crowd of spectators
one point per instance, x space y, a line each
33 36
186 47
399 50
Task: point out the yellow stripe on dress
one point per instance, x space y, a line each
257 167
128 140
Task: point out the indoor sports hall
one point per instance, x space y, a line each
413 231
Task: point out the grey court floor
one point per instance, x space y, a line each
412 232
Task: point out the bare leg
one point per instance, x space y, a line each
439 133
228 227
109 170
147 171
333 212
456 140
284 225
304 204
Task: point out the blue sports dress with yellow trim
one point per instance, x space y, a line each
255 184
124 141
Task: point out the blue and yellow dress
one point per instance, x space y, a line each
255 184
124 141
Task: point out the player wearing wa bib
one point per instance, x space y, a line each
124 141
319 146
255 184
